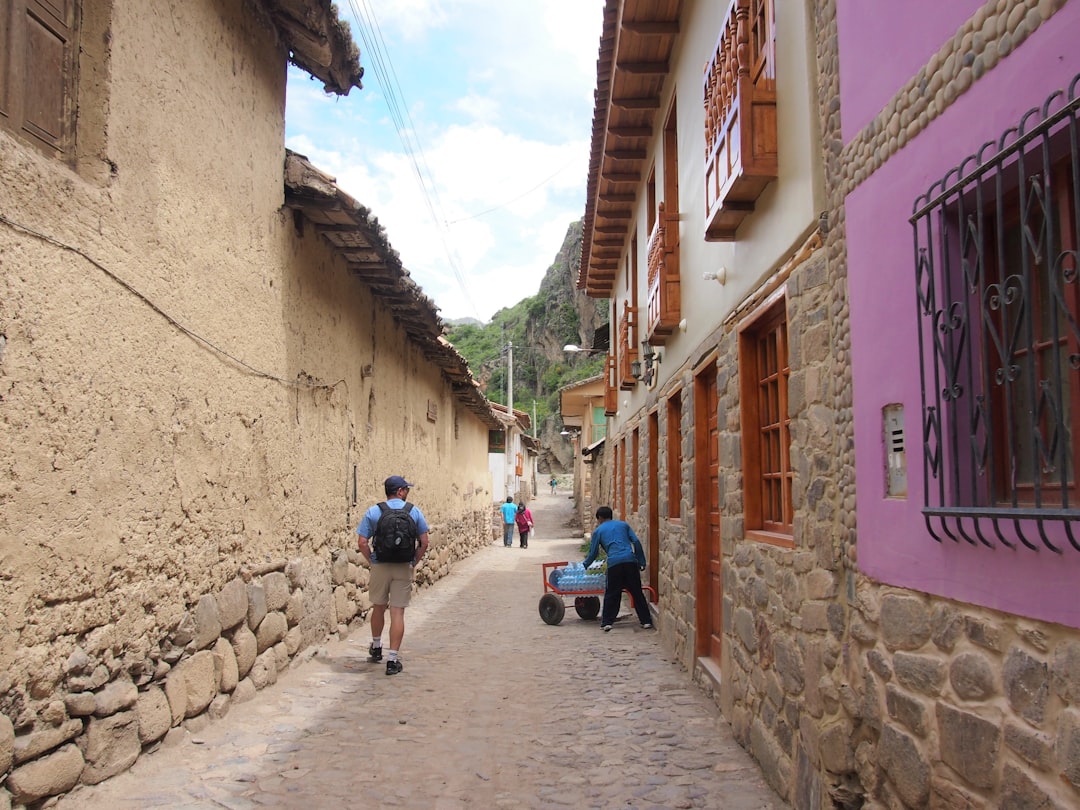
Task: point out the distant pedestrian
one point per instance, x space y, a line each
625 562
509 518
398 533
524 520
554 483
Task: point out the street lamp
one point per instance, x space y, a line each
573 349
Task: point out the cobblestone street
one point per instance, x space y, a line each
494 708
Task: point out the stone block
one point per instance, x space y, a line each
256 604
837 755
946 627
271 630
1026 682
775 767
1065 672
339 568
37 742
1036 748
207 623
945 795
744 629
219 707
814 616
195 677
972 677
907 710
1068 746
79 704
276 586
281 656
232 603
264 670
115 697
246 647
225 667
788 664
7 743
294 640
50 775
111 747
1020 792
920 673
879 665
984 633
820 584
294 609
245 691
969 744
154 715
905 622
904 765
53 712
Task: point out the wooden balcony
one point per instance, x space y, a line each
664 293
628 351
740 117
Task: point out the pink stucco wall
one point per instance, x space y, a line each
894 545
883 45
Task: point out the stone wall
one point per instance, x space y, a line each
105 711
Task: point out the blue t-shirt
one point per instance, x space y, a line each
618 541
372 515
509 512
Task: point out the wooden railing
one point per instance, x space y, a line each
740 117
611 388
628 352
664 292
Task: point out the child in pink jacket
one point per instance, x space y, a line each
524 522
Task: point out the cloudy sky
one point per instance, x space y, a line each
469 140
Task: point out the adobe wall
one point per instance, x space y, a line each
197 401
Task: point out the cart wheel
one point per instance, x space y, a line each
587 607
552 608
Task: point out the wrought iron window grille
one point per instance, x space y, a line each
998 293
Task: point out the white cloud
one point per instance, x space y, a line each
500 95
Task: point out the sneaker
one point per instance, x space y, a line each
646 626
606 628
393 667
374 654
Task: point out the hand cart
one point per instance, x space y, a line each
586 602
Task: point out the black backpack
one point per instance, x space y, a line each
396 534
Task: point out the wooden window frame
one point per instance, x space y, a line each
764 370
674 455
39 49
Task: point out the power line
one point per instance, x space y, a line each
541 184
375 44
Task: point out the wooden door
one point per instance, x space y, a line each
653 483
709 556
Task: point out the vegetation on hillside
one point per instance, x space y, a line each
537 327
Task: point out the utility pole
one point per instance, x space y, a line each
510 413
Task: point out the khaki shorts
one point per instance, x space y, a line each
390 584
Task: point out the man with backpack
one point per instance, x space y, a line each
393 537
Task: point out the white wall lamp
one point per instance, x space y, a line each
719 275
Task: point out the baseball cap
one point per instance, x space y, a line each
396 482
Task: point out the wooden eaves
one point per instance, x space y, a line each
317 40
358 238
635 46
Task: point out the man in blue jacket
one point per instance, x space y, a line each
625 562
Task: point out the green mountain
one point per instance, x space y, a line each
537 328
